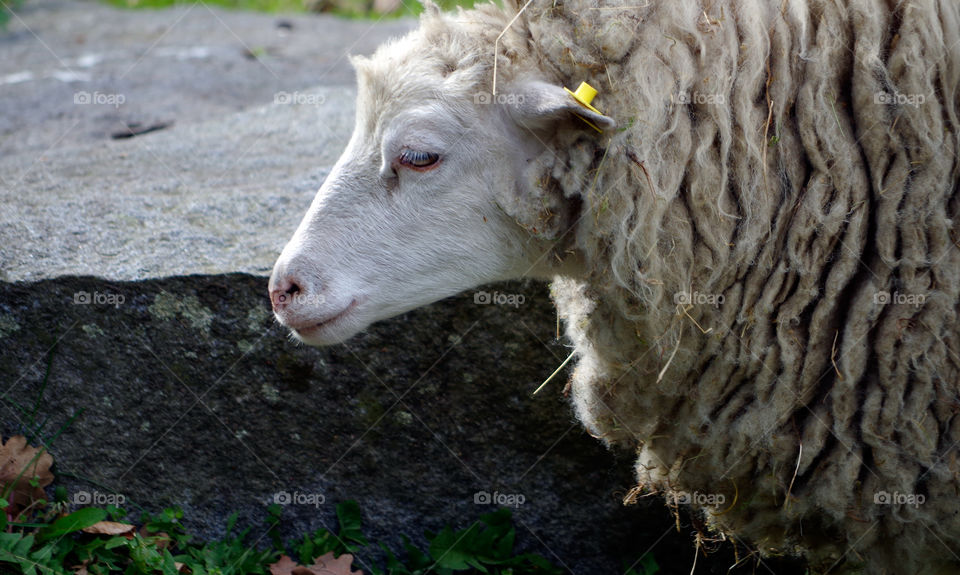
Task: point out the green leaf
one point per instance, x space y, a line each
15 548
647 565
116 542
505 546
315 544
450 550
394 566
500 518
416 558
115 513
74 522
348 515
145 556
169 567
232 521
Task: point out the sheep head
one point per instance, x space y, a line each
441 188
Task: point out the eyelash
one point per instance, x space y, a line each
417 160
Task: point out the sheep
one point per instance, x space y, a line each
751 237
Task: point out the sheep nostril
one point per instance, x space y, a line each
283 293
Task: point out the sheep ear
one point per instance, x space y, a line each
539 105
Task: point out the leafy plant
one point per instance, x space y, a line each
232 555
44 537
349 538
485 547
87 542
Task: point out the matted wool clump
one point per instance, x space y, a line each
770 315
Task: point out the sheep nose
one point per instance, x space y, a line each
283 291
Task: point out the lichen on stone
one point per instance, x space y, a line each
167 306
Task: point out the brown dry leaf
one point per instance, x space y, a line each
323 565
162 540
328 565
283 567
109 528
18 467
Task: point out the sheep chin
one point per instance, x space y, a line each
331 330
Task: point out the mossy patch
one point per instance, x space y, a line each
244 346
92 330
270 393
8 325
167 306
258 319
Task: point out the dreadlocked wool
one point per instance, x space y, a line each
769 311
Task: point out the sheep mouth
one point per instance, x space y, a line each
309 329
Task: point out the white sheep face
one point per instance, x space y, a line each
385 235
415 210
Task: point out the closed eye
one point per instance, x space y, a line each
418 160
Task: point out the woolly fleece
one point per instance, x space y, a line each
769 311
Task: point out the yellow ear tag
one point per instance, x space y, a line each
584 95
